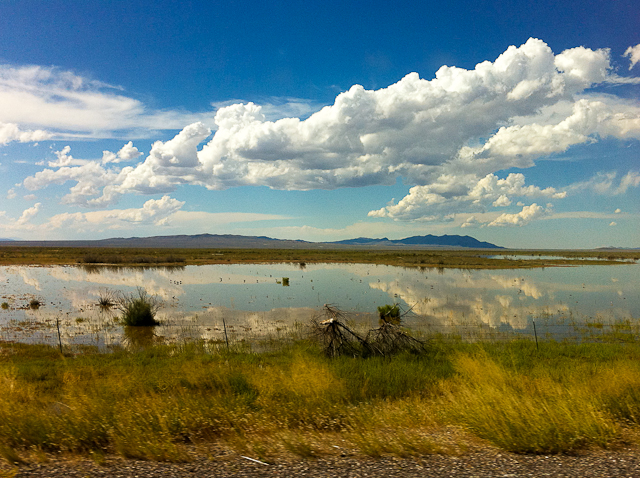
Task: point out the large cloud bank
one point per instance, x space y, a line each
448 136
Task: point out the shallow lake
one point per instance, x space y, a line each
277 300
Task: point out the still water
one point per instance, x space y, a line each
257 301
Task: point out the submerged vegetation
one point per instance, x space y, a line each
34 304
106 300
161 401
138 309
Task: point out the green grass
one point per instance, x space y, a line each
151 402
424 258
138 309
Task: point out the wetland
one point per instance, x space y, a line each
271 301
536 353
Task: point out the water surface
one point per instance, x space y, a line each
256 302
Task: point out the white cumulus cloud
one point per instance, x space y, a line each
471 222
448 136
12 132
524 217
453 194
65 159
28 214
155 212
127 153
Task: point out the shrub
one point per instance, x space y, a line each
389 314
173 259
34 304
5 305
139 309
90 259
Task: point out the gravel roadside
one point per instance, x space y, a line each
621 463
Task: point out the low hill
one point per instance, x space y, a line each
428 240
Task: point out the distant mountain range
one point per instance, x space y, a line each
203 241
428 240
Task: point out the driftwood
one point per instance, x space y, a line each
337 337
388 339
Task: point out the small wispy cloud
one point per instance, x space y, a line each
609 183
64 104
633 52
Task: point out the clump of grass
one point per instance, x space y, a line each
389 338
5 305
389 314
139 309
34 304
523 414
106 300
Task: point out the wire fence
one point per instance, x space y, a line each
253 335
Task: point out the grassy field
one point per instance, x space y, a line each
161 402
462 258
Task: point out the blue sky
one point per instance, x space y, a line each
517 123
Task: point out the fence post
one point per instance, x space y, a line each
58 327
224 324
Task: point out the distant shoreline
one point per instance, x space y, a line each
402 256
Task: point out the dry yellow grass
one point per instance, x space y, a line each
152 403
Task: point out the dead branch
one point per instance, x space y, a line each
336 336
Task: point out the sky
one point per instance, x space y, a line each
515 122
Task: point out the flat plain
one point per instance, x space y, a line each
457 258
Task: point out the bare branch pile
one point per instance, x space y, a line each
388 339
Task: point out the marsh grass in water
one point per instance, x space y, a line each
151 402
107 299
34 304
138 309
